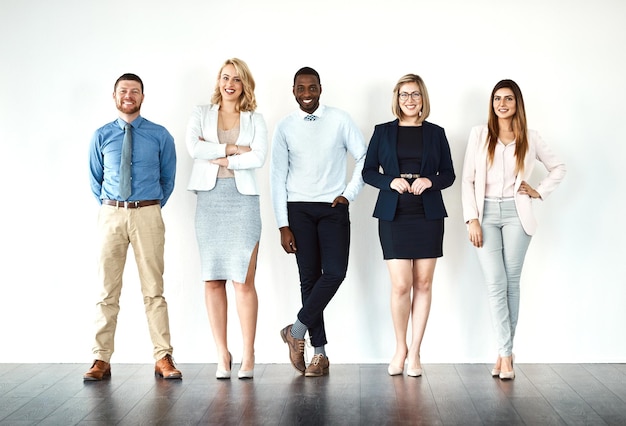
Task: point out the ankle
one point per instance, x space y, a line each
414 361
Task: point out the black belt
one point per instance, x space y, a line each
130 204
409 175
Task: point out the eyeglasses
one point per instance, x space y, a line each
405 96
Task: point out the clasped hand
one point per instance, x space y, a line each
418 186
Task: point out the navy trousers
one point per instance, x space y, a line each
322 235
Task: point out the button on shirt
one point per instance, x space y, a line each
153 166
501 175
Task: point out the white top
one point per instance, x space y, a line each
501 175
308 160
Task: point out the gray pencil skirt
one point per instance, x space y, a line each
228 226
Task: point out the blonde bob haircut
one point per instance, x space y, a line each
247 101
395 101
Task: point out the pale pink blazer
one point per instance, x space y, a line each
475 174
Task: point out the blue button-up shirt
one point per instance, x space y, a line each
153 162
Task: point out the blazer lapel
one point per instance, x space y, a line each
426 147
212 125
393 147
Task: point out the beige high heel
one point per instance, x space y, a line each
495 372
395 371
415 372
508 375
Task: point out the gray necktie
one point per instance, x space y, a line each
127 156
310 117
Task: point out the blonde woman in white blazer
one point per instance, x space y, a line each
228 142
497 206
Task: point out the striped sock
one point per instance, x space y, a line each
298 330
320 350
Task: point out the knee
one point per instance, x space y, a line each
400 289
155 300
211 286
334 277
424 285
244 289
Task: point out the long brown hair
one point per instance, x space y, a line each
247 101
520 129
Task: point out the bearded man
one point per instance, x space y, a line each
132 165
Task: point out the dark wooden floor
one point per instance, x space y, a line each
447 394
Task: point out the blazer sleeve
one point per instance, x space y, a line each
468 177
552 163
371 169
444 176
200 123
254 136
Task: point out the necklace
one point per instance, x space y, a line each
228 124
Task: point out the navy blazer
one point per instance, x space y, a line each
437 166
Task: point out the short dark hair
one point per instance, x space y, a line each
307 71
128 76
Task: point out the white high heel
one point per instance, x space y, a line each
245 374
224 374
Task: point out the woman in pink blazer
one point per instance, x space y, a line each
497 206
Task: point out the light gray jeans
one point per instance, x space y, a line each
501 258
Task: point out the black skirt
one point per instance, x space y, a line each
411 237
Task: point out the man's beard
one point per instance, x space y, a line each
128 109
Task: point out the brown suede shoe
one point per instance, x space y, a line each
318 367
166 369
99 370
296 349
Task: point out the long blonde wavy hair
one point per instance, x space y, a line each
247 101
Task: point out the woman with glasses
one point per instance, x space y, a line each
497 206
409 161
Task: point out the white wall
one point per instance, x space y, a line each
60 60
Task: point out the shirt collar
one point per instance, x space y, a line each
319 112
135 123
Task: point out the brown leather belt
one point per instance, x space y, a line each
130 204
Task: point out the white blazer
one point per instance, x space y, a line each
252 133
475 176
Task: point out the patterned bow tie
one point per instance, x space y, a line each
310 117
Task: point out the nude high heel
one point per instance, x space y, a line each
395 371
508 375
415 372
495 371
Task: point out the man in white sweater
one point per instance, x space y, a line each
310 198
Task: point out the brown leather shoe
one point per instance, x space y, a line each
318 367
166 369
99 370
296 349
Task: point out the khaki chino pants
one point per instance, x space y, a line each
144 229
